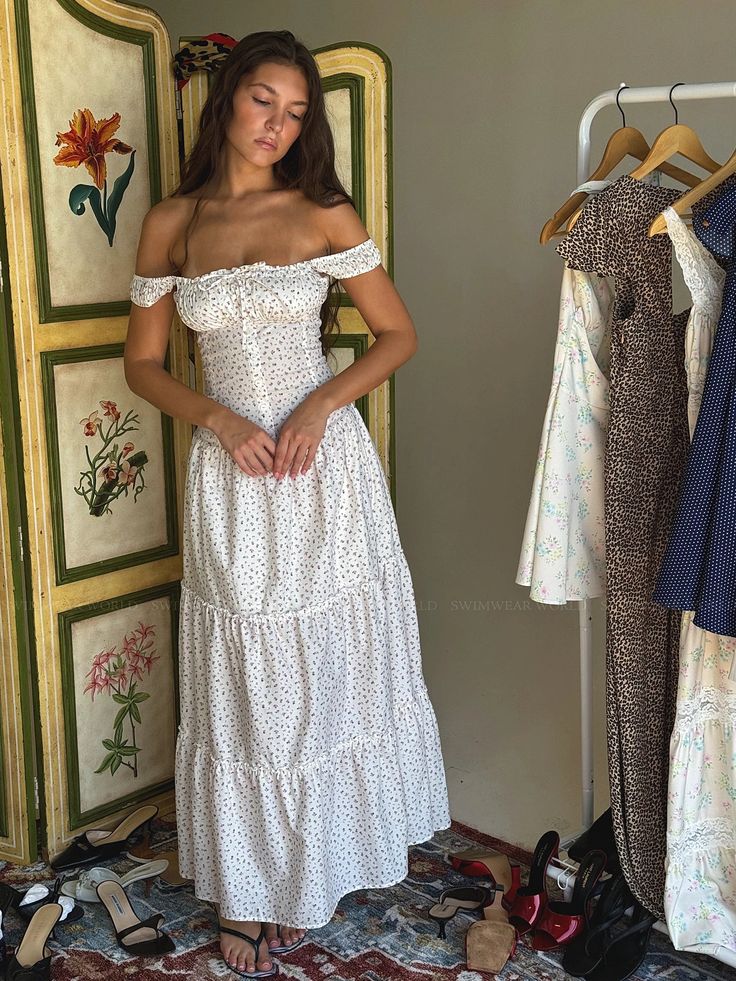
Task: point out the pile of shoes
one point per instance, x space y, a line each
599 944
44 909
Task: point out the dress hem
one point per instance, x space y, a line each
273 917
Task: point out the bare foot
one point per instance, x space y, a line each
238 953
289 935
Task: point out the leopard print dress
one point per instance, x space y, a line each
645 455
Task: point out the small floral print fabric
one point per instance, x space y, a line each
700 868
308 756
563 551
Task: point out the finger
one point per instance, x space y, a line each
239 458
253 461
301 451
263 456
308 461
289 459
280 455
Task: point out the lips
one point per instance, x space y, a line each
265 143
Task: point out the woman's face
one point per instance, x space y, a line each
269 105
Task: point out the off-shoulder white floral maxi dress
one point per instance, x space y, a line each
308 755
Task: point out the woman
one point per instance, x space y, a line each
308 757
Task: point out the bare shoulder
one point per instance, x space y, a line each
162 225
341 225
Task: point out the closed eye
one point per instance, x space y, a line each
261 102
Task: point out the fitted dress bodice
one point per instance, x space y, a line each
258 327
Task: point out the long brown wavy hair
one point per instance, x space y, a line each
309 163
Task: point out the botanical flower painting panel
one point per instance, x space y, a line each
111 463
124 701
93 154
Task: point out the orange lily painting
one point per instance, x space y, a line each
87 142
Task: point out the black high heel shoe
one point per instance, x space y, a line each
97 845
150 939
467 898
32 959
625 953
11 898
585 952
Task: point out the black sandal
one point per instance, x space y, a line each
96 845
585 952
32 958
11 898
273 969
467 898
625 953
286 948
125 922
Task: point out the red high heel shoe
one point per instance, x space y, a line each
561 922
531 899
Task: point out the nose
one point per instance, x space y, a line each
276 122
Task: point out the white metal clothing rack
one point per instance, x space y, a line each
656 93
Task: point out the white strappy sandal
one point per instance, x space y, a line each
85 887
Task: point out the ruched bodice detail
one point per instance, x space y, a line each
258 327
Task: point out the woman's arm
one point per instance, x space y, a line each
149 328
383 310
379 303
145 348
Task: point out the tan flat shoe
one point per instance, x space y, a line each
490 942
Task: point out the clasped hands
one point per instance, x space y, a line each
257 454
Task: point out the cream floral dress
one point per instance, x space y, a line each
700 883
563 554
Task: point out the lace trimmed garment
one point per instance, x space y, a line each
308 755
563 551
700 870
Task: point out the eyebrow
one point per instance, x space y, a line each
294 102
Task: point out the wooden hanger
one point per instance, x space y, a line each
626 141
686 202
677 138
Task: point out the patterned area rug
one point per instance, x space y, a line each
375 935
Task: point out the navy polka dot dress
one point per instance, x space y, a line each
308 756
698 570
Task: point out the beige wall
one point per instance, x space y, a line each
486 99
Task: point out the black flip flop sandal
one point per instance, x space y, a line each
285 949
273 969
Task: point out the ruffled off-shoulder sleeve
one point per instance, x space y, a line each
145 290
350 262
